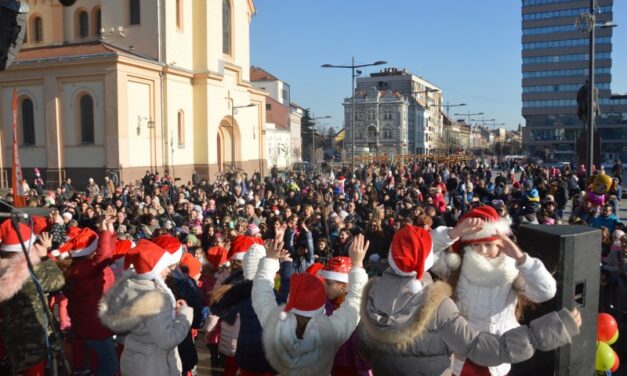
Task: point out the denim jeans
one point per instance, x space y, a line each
107 357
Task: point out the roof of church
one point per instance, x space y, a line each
81 50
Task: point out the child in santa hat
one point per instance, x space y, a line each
348 361
88 278
411 326
144 308
298 338
490 274
22 328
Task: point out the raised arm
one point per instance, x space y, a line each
263 298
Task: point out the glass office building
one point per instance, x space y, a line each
554 66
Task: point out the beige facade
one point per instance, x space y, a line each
152 88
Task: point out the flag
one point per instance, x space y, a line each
19 199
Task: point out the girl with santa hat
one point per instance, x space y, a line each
492 278
141 306
411 326
299 338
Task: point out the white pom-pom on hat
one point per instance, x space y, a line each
453 260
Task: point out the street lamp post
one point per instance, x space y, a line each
233 108
352 67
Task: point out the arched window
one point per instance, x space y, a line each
28 122
372 132
179 15
387 133
98 21
83 24
226 27
180 130
87 119
135 18
38 30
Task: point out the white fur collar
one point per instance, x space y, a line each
489 273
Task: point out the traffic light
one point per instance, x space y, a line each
12 29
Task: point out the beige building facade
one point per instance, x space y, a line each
130 86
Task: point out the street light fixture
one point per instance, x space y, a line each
233 108
587 23
352 67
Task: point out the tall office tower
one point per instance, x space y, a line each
554 66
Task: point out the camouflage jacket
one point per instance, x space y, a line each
22 310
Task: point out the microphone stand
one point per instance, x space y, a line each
54 351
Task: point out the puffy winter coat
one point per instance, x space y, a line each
86 282
416 334
314 354
22 311
141 310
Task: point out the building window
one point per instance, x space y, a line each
135 13
38 30
179 15
226 27
98 22
372 132
180 130
83 24
87 119
28 122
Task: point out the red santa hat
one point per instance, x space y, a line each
83 244
172 245
148 259
191 265
307 296
493 226
240 245
314 268
411 255
10 240
121 248
40 224
337 269
217 256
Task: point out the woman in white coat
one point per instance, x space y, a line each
298 338
141 307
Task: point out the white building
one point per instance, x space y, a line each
134 85
415 130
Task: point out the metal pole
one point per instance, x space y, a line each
591 89
353 117
313 142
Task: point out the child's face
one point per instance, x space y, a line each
487 249
334 288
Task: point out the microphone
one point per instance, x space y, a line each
9 215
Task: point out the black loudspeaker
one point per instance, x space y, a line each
573 255
12 29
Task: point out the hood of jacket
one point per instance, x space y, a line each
14 272
398 319
292 352
129 302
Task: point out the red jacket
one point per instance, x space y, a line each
86 281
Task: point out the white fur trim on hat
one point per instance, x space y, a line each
315 312
502 226
163 263
18 247
175 257
85 251
334 276
428 264
238 256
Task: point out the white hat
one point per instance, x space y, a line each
251 260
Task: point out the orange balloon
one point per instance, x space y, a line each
606 327
616 363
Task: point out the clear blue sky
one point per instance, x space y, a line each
470 49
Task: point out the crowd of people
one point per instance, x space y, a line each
390 269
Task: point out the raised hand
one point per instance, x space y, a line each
284 256
279 231
273 248
466 227
357 250
511 249
46 243
576 316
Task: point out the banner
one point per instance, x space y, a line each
19 197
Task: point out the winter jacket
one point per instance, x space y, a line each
610 222
141 310
491 305
416 334
87 280
323 336
22 310
347 357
